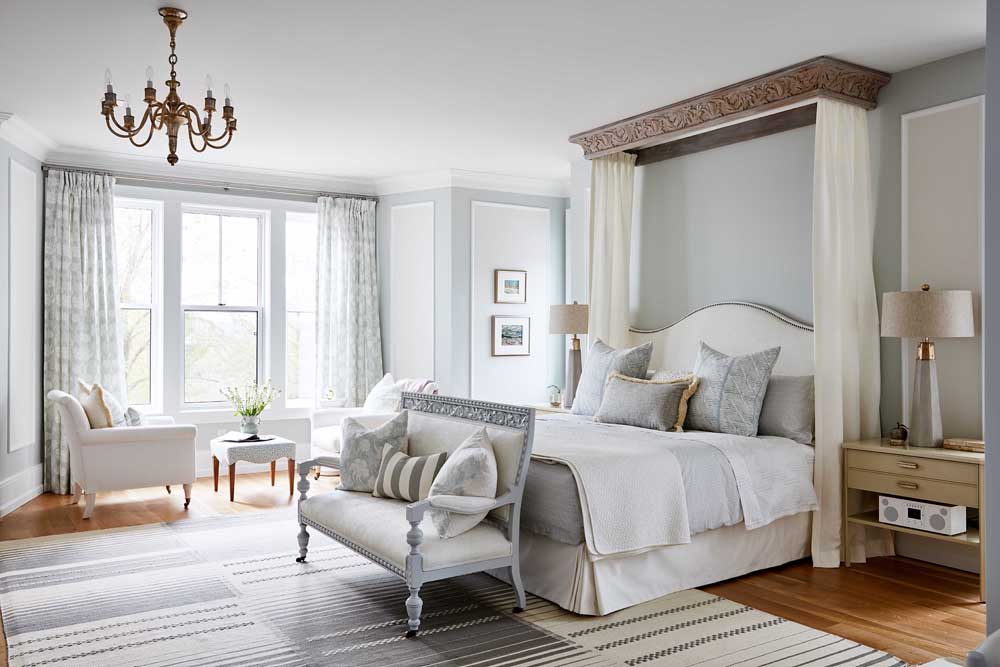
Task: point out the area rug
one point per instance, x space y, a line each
227 591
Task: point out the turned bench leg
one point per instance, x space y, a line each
303 543
414 605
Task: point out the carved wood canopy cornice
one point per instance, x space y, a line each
819 77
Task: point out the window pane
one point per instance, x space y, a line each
220 349
136 323
239 261
134 250
200 269
300 262
300 348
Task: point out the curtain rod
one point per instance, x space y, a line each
202 183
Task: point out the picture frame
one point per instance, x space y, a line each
511 336
510 286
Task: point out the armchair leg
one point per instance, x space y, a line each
303 543
168 488
88 507
187 495
77 492
414 605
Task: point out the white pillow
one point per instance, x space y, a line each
384 396
471 470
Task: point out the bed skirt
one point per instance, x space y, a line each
568 576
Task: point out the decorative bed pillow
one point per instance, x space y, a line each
384 396
789 408
602 360
643 403
361 450
471 470
406 477
731 392
102 408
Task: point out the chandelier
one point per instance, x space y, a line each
172 113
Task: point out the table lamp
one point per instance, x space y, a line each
570 319
927 314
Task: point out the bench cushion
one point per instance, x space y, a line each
380 526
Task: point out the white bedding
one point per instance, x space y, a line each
631 481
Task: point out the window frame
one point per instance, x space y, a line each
185 308
314 399
155 306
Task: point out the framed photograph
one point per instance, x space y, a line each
510 286
511 336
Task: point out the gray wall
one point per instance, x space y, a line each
729 223
13 463
991 317
453 272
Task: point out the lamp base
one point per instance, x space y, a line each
925 406
574 366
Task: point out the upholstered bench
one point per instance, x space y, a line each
395 534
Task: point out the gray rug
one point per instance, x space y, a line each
226 591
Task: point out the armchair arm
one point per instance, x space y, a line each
124 435
321 417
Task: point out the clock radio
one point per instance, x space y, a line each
934 518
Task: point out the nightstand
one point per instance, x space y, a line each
933 474
547 407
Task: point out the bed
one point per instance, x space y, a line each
748 500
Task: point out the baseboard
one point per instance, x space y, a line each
20 488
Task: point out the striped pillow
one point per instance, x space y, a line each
406 477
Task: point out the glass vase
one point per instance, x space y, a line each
250 424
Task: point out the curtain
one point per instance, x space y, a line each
611 184
82 336
348 334
845 314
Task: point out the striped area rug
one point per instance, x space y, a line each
226 591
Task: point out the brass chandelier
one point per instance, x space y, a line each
172 113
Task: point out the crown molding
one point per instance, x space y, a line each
14 130
820 77
473 180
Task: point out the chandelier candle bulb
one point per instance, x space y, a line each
149 76
107 80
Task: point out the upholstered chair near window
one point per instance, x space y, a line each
124 457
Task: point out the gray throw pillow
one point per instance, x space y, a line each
642 403
731 391
470 470
602 360
789 408
361 451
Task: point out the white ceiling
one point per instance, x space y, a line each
368 90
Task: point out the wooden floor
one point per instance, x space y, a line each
911 609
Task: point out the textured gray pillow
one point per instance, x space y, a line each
789 408
602 360
470 470
642 403
731 392
361 450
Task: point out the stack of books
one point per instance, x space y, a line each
965 445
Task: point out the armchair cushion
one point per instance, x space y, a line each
379 526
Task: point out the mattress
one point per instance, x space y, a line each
551 504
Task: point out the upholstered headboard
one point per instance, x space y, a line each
733 327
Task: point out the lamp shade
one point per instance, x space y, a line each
928 313
570 318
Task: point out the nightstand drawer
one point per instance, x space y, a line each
913 466
914 487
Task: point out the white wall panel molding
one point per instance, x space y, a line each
20 488
412 287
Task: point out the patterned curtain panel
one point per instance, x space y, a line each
82 338
348 333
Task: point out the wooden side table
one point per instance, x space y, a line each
268 451
936 475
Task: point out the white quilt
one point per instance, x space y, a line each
632 491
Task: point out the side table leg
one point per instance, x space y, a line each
215 472
291 476
232 481
272 472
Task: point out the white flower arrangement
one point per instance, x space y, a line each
252 399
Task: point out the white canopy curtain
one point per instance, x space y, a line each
348 333
611 183
82 336
845 314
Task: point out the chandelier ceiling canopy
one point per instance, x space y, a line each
172 113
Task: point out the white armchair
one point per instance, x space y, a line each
126 457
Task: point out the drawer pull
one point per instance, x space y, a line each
907 464
908 485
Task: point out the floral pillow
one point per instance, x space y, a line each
471 470
361 450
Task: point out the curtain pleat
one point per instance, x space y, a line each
845 314
82 335
348 332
